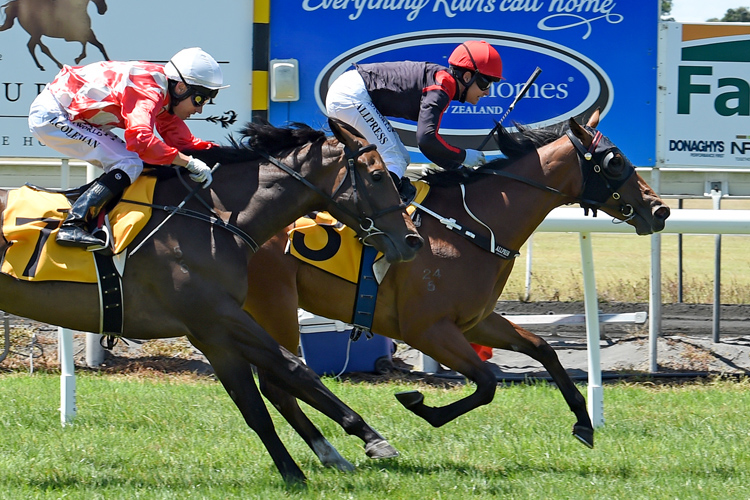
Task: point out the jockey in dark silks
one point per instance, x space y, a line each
416 91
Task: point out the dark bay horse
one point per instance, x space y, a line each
444 299
67 19
189 278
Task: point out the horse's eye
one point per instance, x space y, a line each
614 164
377 176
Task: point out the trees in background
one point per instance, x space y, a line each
738 15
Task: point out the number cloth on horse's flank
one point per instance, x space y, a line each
327 244
30 224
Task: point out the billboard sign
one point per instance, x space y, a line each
706 95
132 30
592 54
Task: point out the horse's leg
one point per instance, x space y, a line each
82 56
290 410
245 337
445 343
497 331
32 46
236 376
38 41
96 43
274 306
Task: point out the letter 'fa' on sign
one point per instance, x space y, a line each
705 95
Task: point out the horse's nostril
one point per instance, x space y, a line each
414 241
662 212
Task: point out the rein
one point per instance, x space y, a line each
366 223
597 161
586 159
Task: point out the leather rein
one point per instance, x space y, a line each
599 184
366 223
593 162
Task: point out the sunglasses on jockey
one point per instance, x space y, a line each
198 94
483 81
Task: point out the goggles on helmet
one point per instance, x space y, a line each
199 95
483 81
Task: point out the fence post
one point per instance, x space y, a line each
595 390
94 349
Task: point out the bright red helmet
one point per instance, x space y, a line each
478 56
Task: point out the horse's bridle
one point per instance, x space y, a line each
366 222
603 177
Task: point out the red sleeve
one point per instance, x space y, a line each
139 113
176 133
435 100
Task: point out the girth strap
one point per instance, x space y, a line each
367 294
110 295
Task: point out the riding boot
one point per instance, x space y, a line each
74 229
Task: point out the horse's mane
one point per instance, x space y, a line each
260 136
514 146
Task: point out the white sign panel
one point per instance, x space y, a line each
705 77
76 32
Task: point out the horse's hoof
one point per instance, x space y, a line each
410 399
295 479
584 435
380 449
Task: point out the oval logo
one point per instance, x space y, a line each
570 84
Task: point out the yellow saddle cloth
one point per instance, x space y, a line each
32 218
329 245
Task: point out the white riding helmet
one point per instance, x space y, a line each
195 67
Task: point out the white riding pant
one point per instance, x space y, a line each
349 101
50 123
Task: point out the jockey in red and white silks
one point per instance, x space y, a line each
75 115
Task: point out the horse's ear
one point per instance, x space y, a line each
594 120
346 134
579 132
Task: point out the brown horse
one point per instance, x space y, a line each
188 279
444 299
66 19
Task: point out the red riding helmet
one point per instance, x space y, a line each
478 56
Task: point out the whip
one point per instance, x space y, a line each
524 89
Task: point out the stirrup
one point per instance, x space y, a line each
78 237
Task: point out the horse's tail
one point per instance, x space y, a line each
11 12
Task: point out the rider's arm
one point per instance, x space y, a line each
435 100
139 110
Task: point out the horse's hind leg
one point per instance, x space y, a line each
37 41
248 340
290 410
496 331
445 343
96 43
236 376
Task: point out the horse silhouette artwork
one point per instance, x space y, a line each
66 19
443 300
188 277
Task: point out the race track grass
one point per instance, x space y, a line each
172 438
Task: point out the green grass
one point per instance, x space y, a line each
622 264
176 439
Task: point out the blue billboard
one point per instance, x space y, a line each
593 54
